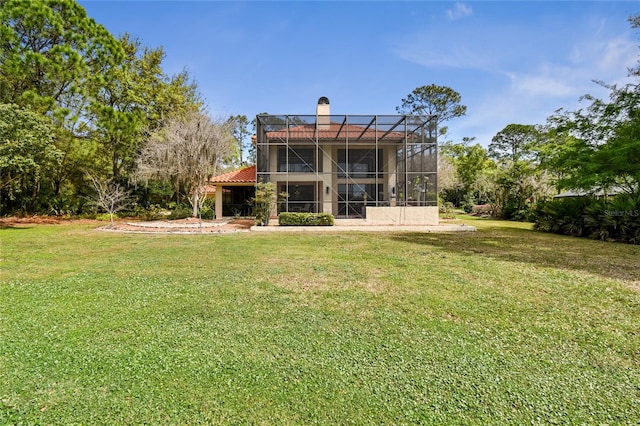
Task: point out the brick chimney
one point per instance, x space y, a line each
323 118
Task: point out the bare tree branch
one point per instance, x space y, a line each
187 151
110 197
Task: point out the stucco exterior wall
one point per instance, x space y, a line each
413 215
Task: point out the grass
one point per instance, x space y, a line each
503 326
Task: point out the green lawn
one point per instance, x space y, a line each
503 326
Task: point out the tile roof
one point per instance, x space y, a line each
335 131
246 175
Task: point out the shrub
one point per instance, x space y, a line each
518 211
153 212
207 212
305 219
617 218
181 212
67 204
264 202
105 217
562 216
481 210
208 209
446 210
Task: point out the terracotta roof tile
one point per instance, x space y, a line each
246 175
335 130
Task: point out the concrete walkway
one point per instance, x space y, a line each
366 228
231 225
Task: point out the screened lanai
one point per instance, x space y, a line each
344 164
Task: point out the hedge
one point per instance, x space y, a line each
305 219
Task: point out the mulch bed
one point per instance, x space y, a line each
8 222
181 226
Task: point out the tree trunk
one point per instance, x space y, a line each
195 203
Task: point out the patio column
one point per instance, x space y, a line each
219 197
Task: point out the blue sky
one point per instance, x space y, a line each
511 61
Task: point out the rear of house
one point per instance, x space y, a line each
382 168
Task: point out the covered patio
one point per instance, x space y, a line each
232 192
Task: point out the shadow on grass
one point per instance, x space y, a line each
605 259
13 227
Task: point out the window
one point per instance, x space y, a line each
359 163
301 197
300 160
353 197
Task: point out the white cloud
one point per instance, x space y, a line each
525 98
460 10
459 51
543 84
510 73
616 52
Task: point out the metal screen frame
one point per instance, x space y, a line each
410 139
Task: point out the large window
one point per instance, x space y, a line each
235 200
297 160
360 163
301 197
353 197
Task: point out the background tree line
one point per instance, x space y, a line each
594 151
78 104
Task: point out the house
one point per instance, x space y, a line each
596 192
378 168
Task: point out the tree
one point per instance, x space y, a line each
102 96
240 130
118 106
110 196
440 101
520 182
469 162
634 20
27 155
447 176
598 147
514 142
265 202
187 151
50 50
489 188
522 185
51 54
131 100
